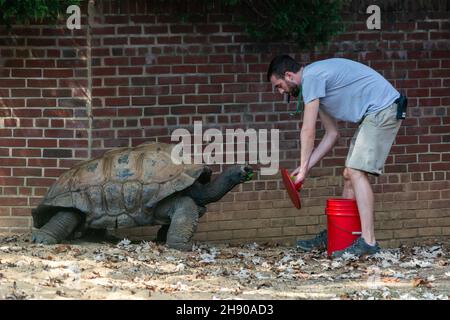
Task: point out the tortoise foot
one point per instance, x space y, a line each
44 238
180 246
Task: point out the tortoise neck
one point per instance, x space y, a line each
215 190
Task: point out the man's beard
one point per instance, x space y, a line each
294 92
293 89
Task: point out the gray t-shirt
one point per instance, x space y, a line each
347 90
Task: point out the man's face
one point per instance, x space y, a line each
285 85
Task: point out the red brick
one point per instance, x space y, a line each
59 133
436 92
207 28
25 92
209 109
168 40
108 71
26 73
40 182
156 29
58 73
184 69
129 30
170 100
130 70
418 92
440 54
419 148
27 172
10 201
407 140
419 167
429 102
195 99
73 143
117 101
182 110
41 143
193 60
130 112
440 166
13 222
405 158
440 129
172 80
26 153
443 73
42 162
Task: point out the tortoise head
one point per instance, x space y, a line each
215 190
241 173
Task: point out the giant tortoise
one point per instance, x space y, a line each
131 187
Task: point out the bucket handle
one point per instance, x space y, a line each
345 230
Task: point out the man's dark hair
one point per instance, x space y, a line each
281 64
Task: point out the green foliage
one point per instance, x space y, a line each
305 22
25 11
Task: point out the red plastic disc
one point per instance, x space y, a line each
291 188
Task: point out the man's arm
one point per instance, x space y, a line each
328 141
308 157
307 137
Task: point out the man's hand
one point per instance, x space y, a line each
300 174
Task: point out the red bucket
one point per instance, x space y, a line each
344 225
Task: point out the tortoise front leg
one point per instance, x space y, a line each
60 226
184 221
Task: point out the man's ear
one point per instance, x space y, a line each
288 75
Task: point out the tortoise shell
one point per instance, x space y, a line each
120 188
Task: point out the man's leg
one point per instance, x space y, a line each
357 184
348 192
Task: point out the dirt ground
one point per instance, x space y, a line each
143 270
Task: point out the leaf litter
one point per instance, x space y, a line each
144 270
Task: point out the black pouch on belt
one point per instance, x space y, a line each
402 104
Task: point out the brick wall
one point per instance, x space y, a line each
130 76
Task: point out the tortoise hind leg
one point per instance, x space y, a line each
184 221
58 228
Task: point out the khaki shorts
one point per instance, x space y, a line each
373 140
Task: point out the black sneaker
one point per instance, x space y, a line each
318 242
359 248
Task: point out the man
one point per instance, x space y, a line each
342 89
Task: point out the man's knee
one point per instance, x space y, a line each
346 174
350 173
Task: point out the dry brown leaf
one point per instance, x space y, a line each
61 293
168 290
94 275
419 282
301 275
442 263
226 255
150 287
390 280
76 252
200 275
344 296
265 284
62 248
